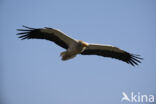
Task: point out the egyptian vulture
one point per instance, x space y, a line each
74 47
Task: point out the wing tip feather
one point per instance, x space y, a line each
26 33
134 59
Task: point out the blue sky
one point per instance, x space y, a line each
31 71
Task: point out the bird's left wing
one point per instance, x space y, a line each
113 52
50 34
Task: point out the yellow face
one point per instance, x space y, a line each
85 44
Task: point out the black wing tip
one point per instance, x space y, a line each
25 33
27 27
134 59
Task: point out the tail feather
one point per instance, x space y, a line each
66 56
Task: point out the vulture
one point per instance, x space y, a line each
74 47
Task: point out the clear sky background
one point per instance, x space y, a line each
31 71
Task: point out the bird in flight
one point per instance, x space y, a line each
74 47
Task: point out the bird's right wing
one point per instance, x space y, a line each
113 52
51 34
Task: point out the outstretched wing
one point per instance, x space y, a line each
113 52
50 34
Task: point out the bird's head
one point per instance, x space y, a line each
84 44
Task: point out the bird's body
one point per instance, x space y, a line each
73 50
74 47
